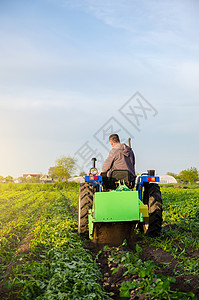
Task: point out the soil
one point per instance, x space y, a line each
168 266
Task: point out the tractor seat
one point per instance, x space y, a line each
122 175
118 175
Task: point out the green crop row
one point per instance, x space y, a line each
18 215
57 266
180 207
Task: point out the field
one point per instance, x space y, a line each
42 256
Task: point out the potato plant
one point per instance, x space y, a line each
57 264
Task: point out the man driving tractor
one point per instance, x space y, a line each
121 157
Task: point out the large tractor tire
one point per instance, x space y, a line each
152 197
86 192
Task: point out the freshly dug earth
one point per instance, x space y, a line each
160 258
112 282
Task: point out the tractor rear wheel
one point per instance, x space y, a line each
86 192
152 197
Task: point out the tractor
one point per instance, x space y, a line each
110 209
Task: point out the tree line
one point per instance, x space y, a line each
64 168
189 175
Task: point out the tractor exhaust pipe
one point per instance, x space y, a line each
129 142
94 160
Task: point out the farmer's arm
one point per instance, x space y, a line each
108 162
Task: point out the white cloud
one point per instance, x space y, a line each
156 23
134 15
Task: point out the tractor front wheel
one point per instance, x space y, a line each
86 192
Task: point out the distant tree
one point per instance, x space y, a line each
33 179
177 177
22 179
1 178
64 167
9 179
171 174
189 175
51 172
82 173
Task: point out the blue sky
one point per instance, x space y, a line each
68 66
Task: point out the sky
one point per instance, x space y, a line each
74 71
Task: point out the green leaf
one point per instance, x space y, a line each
106 247
8 285
138 249
115 270
142 273
125 294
